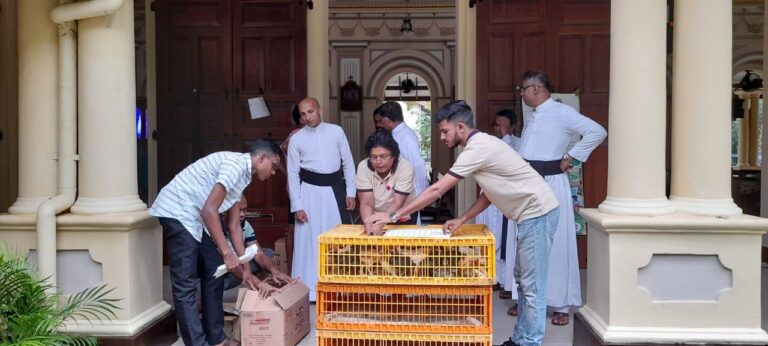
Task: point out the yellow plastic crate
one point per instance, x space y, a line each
341 338
348 255
388 308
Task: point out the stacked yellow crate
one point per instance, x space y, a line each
405 290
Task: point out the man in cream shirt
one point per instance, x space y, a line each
517 190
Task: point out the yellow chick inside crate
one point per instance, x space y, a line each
408 255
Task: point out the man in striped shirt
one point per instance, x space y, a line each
188 209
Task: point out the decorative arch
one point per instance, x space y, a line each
752 60
408 61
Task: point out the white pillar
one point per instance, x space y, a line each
701 108
466 82
317 56
638 67
107 108
754 111
38 53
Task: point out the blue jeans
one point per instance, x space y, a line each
534 242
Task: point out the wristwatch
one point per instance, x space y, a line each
393 217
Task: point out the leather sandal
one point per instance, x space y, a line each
560 318
512 311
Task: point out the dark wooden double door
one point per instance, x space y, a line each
569 39
214 55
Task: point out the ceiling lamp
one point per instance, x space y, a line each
406 26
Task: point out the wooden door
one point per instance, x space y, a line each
213 55
8 105
269 59
569 40
194 82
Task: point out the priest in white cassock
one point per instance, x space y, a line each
321 184
504 126
389 116
545 141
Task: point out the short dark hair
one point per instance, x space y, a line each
377 110
539 76
265 146
382 139
509 114
392 111
296 115
457 111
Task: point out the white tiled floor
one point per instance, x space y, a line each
504 324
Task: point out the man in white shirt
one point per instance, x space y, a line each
321 184
392 120
190 203
545 145
516 189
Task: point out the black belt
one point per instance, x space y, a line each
336 181
545 168
504 227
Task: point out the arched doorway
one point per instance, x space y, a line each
413 94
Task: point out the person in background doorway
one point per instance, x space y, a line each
504 126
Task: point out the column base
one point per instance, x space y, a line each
108 205
124 252
674 279
668 336
705 207
26 205
129 327
636 206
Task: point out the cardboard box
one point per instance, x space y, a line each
281 319
280 258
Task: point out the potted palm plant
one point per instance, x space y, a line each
30 316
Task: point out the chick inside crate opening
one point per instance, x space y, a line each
348 255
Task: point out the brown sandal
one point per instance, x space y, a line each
560 318
505 295
512 311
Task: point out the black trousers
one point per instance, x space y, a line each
190 264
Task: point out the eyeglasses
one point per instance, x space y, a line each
379 157
522 89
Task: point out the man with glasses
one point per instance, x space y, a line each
384 180
188 209
516 189
545 144
321 185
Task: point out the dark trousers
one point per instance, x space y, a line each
190 263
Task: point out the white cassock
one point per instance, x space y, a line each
410 150
546 137
323 149
494 219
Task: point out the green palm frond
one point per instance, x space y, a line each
29 316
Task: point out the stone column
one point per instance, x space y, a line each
38 52
638 67
317 56
701 89
743 142
754 110
466 80
107 107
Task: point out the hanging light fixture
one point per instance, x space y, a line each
406 26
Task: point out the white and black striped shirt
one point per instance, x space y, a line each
183 198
